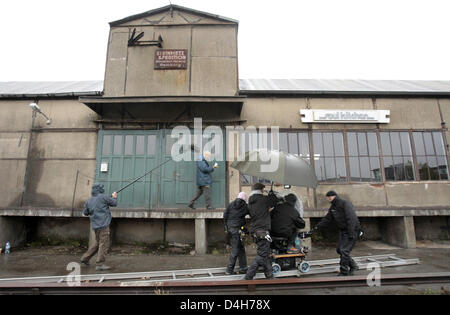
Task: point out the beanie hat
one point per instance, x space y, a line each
331 193
242 195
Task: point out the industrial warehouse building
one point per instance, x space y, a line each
381 144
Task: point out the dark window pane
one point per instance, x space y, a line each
151 145
406 143
129 145
443 168
385 143
319 168
303 140
293 143
409 168
330 169
362 144
423 168
439 143
352 144
117 145
418 143
341 170
317 144
106 146
354 169
399 168
338 144
140 145
389 168
375 170
365 168
428 141
372 143
328 144
396 144
283 142
432 164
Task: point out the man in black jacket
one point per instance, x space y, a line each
341 212
234 220
259 208
285 221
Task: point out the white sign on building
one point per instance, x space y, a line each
344 116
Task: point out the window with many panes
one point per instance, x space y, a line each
430 154
329 156
296 143
366 162
364 159
397 155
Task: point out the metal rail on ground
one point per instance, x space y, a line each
206 274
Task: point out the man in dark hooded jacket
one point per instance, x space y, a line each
341 213
204 180
234 220
97 208
285 221
259 206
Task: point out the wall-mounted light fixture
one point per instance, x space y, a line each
36 109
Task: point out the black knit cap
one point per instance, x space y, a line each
258 186
331 193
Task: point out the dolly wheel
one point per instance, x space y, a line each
304 267
276 268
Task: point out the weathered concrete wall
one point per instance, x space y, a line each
55 153
212 57
412 113
399 231
432 228
61 229
13 230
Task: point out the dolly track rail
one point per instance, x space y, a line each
218 287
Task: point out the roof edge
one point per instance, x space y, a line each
168 7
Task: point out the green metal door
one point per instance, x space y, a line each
124 155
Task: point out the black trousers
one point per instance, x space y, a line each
344 248
262 259
200 191
290 237
237 251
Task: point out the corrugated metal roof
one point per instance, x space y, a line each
312 86
29 89
50 88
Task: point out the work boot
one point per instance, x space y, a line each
344 271
191 205
269 276
353 266
102 268
243 270
229 273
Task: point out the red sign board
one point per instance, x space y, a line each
170 59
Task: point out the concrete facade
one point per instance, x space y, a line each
50 168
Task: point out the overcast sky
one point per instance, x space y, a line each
51 40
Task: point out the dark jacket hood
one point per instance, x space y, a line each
254 196
97 189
